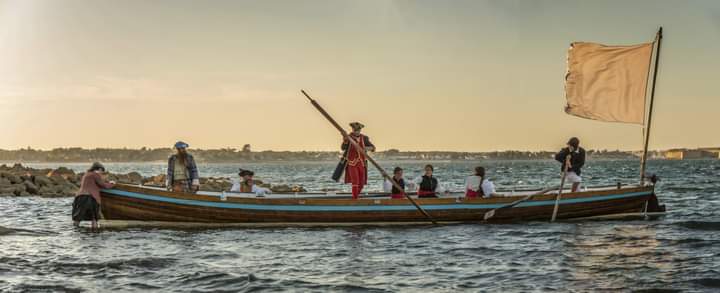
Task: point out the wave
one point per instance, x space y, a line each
700 225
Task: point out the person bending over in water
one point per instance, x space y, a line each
478 186
247 185
86 206
577 161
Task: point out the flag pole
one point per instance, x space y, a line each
646 139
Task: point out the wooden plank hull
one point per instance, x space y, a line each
145 204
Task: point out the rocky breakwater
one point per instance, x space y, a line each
19 180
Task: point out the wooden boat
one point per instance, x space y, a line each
138 203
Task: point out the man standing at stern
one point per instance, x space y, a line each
182 173
356 167
576 162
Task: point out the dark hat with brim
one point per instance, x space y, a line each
357 125
181 145
244 172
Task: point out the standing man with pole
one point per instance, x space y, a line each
356 166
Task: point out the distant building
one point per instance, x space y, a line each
684 154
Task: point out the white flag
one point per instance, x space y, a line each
607 82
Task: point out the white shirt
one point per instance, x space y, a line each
472 183
255 189
387 185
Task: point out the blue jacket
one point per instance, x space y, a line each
192 170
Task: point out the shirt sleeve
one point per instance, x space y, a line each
488 188
387 186
235 187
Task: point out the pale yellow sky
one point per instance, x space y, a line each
421 75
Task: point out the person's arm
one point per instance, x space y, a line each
489 188
368 145
194 176
100 182
440 188
260 190
387 186
235 186
560 156
344 146
169 175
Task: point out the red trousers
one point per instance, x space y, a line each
356 175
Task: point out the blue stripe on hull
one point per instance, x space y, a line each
362 208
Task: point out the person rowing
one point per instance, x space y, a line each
247 185
428 185
479 186
576 162
390 188
356 163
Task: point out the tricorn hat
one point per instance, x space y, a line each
357 125
244 172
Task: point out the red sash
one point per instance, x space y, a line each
471 193
423 193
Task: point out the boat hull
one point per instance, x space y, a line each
145 204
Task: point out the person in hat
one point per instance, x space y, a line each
390 188
577 161
182 172
356 166
247 184
86 205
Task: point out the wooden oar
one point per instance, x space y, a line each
491 213
357 146
566 166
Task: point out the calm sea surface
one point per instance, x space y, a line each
41 252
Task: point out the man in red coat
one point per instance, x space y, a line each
356 166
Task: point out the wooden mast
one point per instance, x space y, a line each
646 128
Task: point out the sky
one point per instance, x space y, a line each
421 75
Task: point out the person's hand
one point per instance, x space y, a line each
112 182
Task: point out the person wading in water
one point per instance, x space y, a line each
356 166
182 172
86 206
577 161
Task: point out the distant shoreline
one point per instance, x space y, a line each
245 155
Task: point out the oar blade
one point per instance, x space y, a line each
489 215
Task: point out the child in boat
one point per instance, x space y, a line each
428 185
389 187
478 186
86 206
247 185
577 160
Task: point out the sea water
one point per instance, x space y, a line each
40 251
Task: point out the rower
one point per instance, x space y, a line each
389 187
247 185
577 160
356 166
182 172
478 186
428 185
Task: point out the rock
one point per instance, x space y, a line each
18 189
46 190
158 180
135 177
4 182
58 180
41 181
30 187
14 179
62 171
7 191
